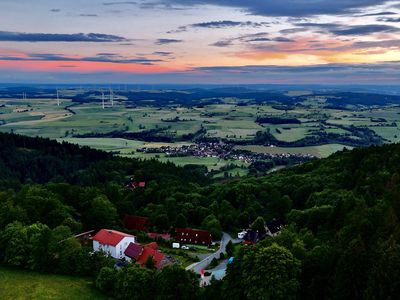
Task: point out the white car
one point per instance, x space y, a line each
184 247
242 234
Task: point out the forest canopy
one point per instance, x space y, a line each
341 239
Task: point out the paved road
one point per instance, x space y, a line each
197 267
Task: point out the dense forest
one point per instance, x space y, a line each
341 239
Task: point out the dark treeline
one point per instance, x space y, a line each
150 135
341 241
349 98
191 97
276 120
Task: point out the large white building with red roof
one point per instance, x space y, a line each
112 242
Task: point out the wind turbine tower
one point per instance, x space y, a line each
58 98
112 97
102 99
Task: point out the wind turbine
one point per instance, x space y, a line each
58 98
111 97
102 99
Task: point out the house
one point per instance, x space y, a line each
140 254
193 236
156 236
133 251
112 242
274 227
134 185
20 110
136 222
252 237
157 256
131 184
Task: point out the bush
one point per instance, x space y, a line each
106 280
213 263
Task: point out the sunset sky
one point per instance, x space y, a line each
194 41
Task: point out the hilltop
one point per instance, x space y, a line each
341 238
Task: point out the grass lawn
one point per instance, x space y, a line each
182 256
20 285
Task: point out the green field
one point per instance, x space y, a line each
228 120
318 151
25 285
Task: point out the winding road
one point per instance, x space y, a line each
203 264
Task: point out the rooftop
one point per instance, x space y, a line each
110 237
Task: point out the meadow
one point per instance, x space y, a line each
80 122
24 285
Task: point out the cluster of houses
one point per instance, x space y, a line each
124 246
21 109
220 150
272 228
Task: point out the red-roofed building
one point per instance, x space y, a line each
157 256
141 254
112 242
155 236
193 236
133 185
136 222
152 245
134 251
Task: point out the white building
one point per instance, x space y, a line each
112 242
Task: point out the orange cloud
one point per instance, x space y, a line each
82 66
312 50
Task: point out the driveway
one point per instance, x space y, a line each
203 264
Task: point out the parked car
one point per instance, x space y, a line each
242 234
192 248
184 247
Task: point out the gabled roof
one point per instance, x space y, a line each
155 235
254 236
134 251
136 222
152 245
157 256
110 237
275 225
193 236
133 185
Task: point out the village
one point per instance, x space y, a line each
220 150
